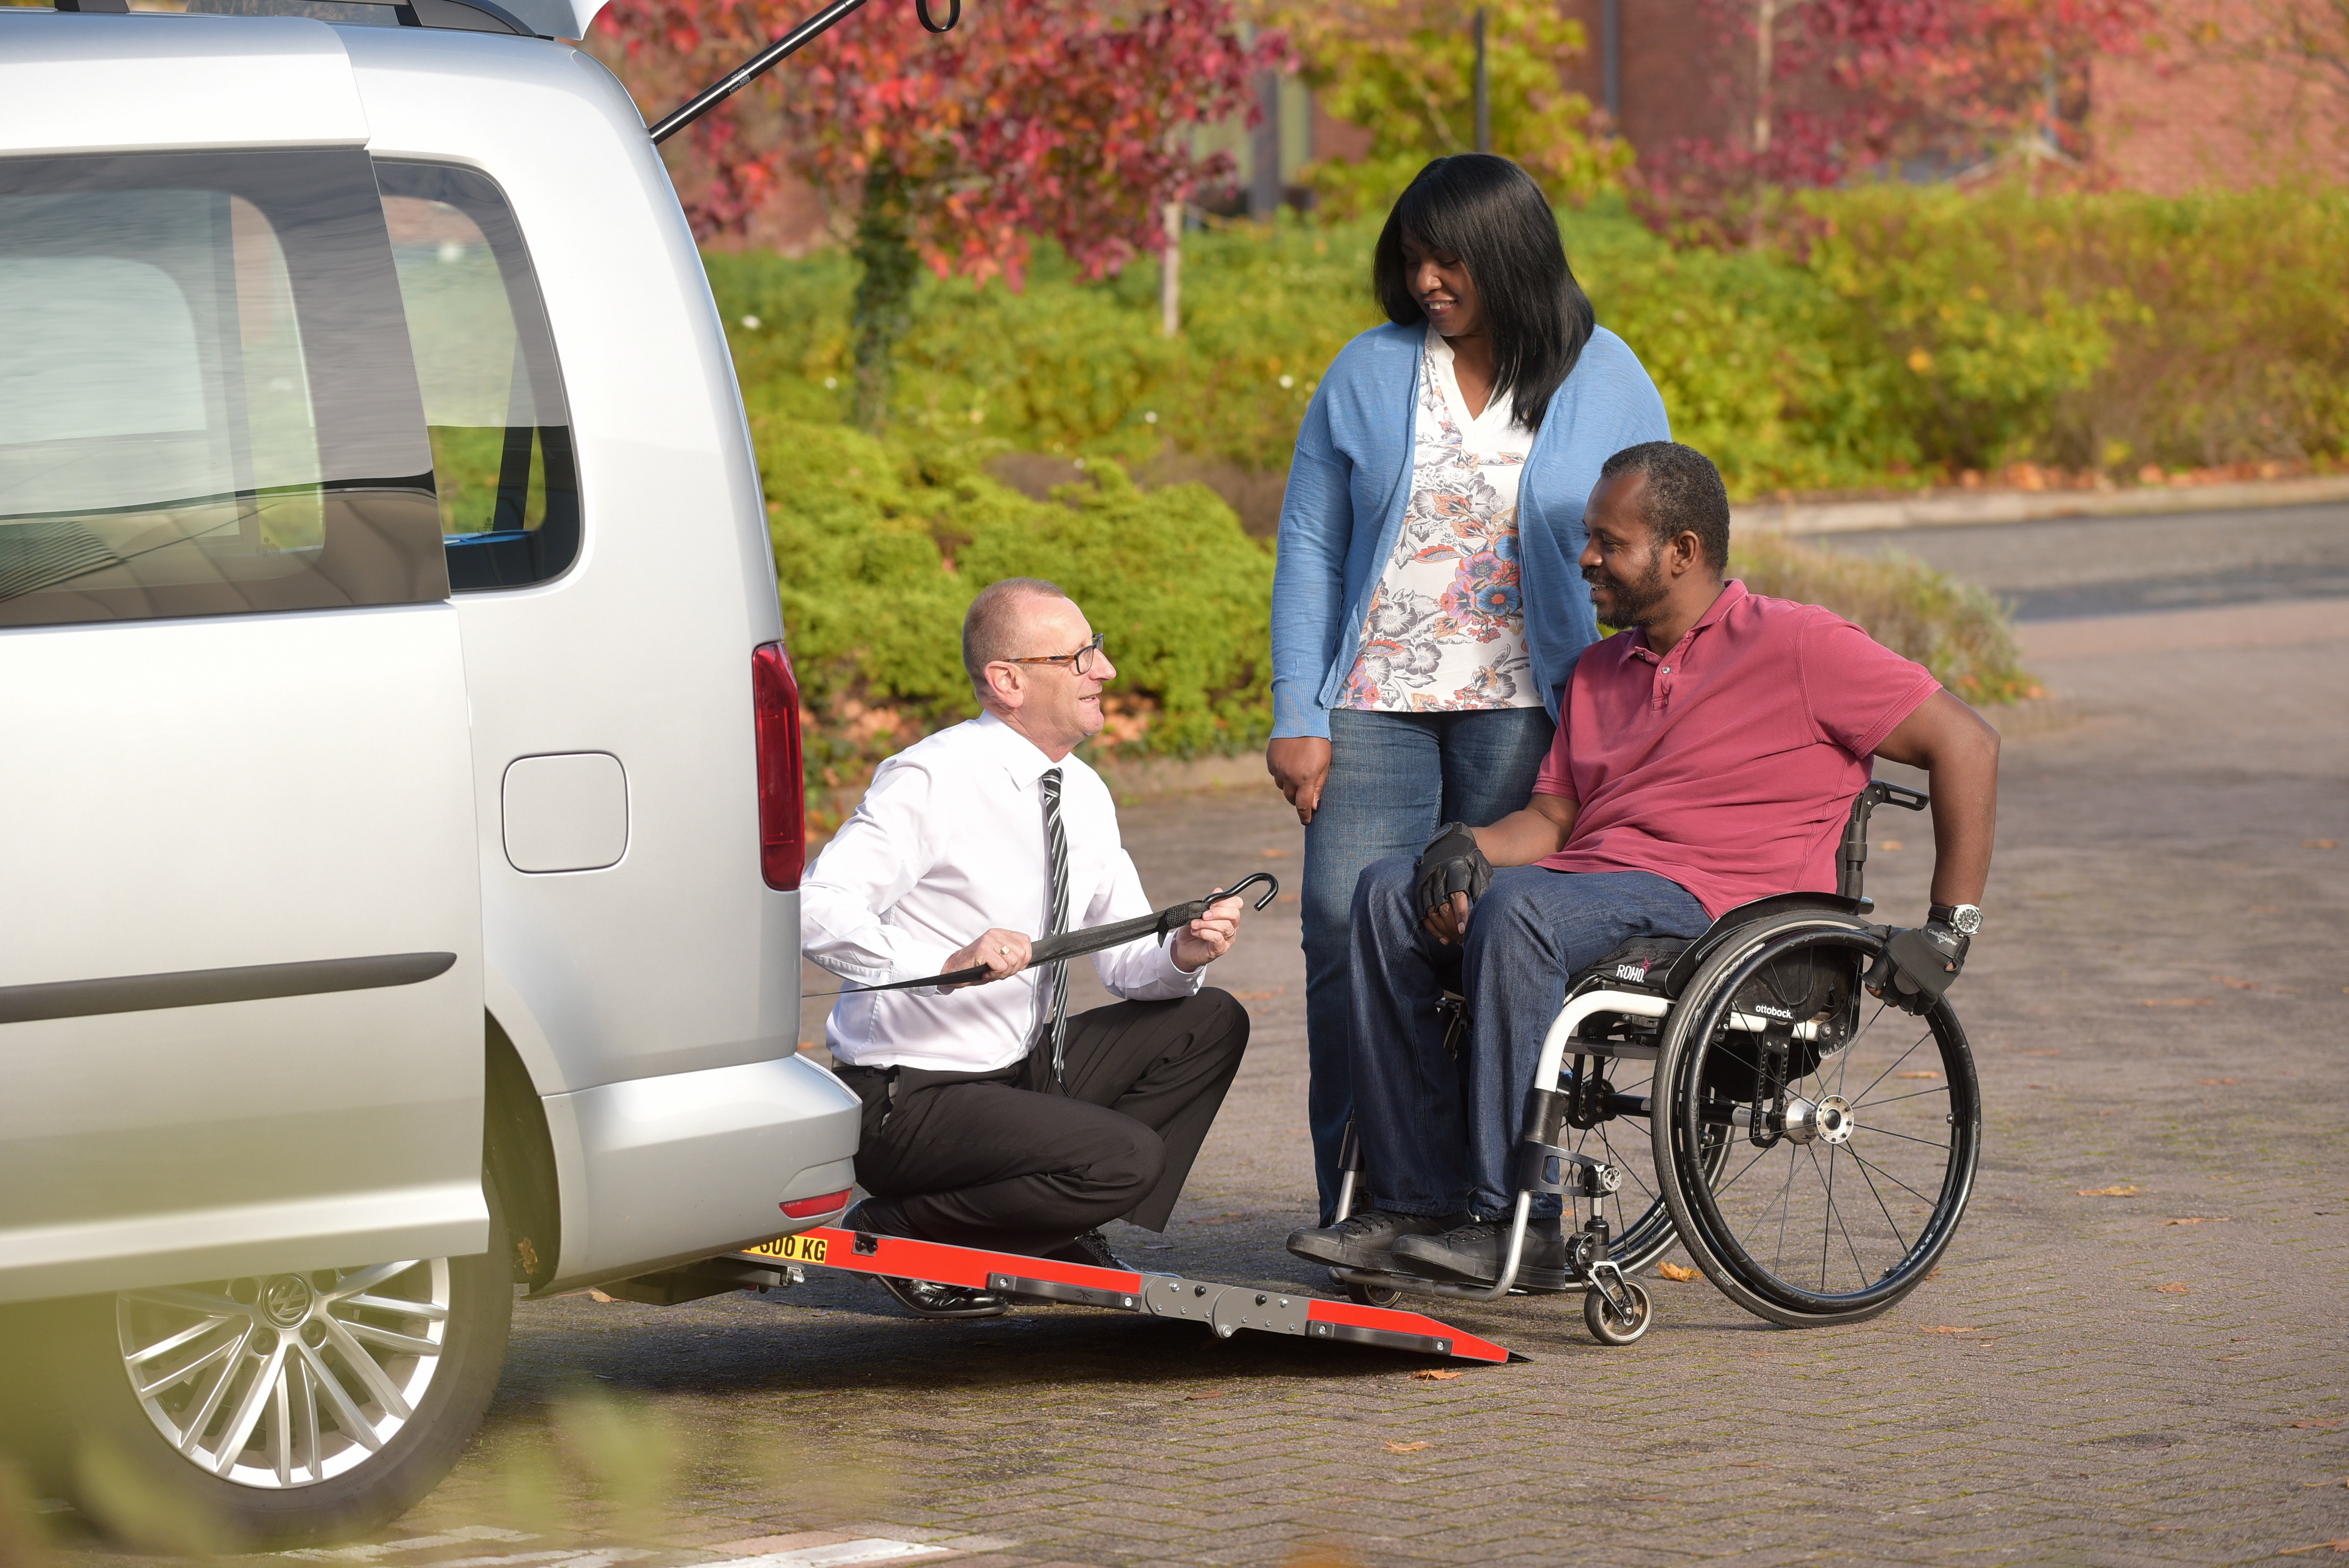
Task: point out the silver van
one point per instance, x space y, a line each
398 758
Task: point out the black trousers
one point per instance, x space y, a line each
1007 1162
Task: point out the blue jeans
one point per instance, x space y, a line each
1394 780
1439 1136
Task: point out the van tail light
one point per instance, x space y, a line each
782 791
808 1208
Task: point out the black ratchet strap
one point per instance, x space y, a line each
1091 939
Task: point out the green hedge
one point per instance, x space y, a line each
879 551
1923 332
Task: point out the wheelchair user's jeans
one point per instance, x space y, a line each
1439 1136
1394 780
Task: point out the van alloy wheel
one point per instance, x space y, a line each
285 1380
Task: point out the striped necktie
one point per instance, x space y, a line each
1056 839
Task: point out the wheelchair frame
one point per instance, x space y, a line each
1735 955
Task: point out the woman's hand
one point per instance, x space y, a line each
1300 764
1207 938
1004 953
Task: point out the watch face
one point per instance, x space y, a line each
1966 918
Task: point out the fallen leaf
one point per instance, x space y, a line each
1288 898
2232 984
2199 1220
1274 854
1894 845
2320 1426
2340 1545
599 1296
2176 1002
2344 1481
1430 1375
1404 1448
2174 1288
1946 1328
1924 1073
2213 1083
1674 1271
2124 1191
2320 843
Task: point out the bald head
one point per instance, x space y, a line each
996 626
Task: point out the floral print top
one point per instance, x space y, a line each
1446 628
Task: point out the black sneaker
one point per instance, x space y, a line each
920 1297
1092 1249
1473 1252
1364 1240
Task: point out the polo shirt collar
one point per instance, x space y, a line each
1733 593
1018 754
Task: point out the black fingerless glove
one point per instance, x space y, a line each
1918 964
1452 863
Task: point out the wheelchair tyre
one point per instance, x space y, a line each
1598 1315
1823 1231
1373 1295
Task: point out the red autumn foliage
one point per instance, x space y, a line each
1828 89
1059 118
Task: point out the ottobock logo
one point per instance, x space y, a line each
1768 1011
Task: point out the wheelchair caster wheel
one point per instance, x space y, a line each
1373 1295
1609 1329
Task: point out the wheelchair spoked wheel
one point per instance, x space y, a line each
1846 1202
1639 1222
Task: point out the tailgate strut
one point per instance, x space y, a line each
1224 1308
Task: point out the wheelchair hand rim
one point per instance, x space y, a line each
1686 1118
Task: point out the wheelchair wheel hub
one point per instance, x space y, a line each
1826 1122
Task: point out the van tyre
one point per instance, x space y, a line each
329 1448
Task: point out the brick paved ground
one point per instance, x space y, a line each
2086 1380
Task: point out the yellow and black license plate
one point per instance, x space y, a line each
790 1249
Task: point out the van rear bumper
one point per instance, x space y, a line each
688 1165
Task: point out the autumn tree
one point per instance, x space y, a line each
1404 70
1066 120
1823 90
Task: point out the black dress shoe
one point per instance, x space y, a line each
1091 1249
920 1297
924 1299
1364 1240
1473 1252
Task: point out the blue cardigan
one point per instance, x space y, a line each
1352 470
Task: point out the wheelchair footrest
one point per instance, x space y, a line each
1225 1309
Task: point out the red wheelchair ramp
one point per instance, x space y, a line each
1225 1309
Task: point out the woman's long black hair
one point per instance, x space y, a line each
1488 212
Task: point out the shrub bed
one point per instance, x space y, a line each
1922 332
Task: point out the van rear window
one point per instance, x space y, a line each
502 455
207 400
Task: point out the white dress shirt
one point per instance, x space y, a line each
949 842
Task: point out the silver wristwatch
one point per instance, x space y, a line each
1965 919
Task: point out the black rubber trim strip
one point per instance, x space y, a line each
206 987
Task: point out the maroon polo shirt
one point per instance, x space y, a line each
1729 764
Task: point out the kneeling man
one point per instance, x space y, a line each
1706 755
991 1118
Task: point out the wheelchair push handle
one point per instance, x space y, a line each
1851 859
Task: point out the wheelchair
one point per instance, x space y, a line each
1812 1147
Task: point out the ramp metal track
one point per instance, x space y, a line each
1225 1309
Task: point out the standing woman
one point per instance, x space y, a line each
1427 607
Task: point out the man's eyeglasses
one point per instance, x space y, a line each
1081 661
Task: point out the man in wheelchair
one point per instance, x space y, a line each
1707 754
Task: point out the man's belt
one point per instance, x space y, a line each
1091 939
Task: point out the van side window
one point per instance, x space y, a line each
207 405
502 455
